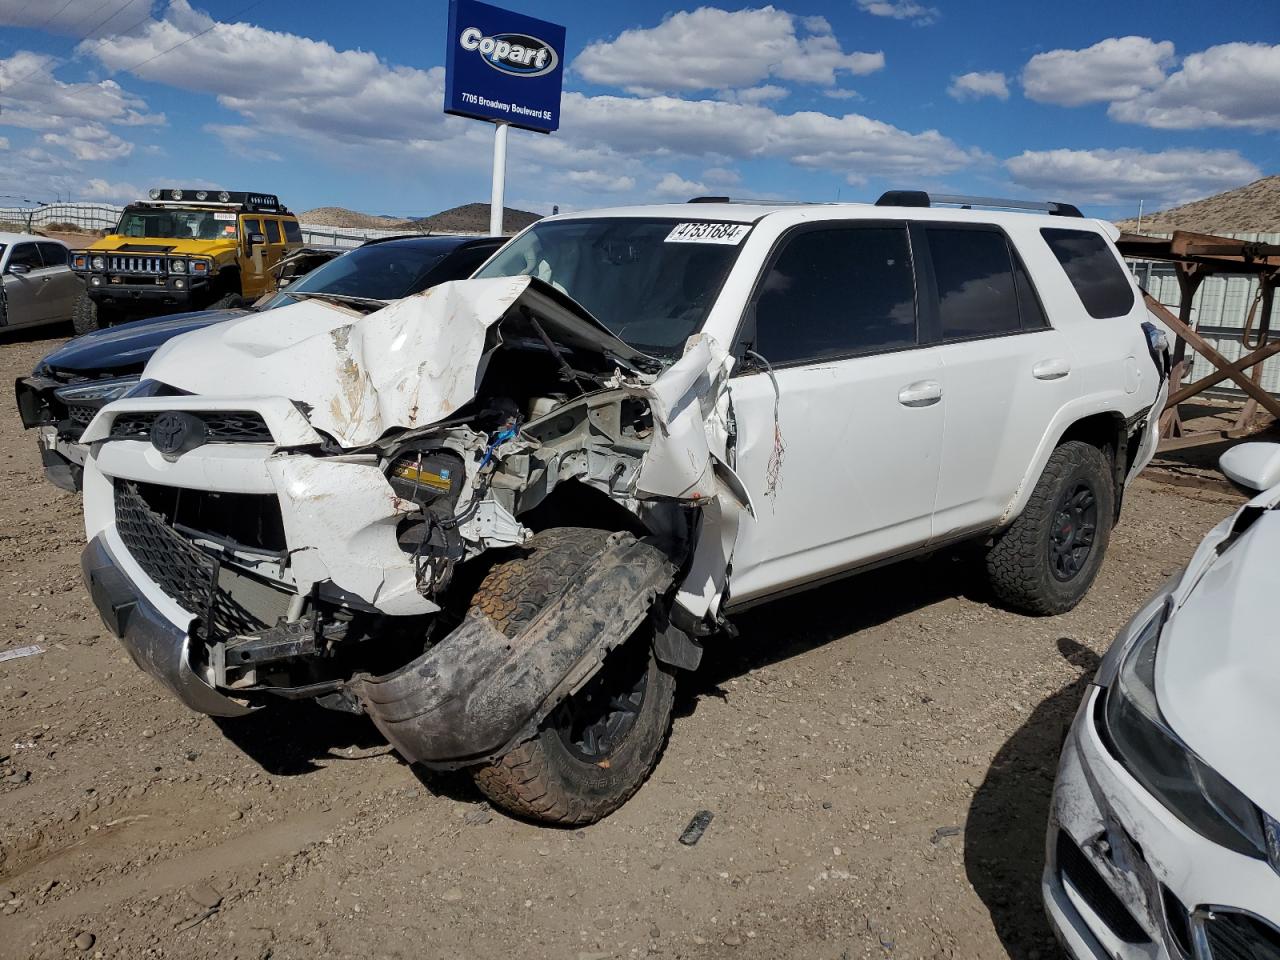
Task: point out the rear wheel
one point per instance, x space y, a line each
599 745
1045 562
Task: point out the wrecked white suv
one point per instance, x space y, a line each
497 516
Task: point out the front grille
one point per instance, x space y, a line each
81 414
136 264
1102 900
228 427
1237 936
182 570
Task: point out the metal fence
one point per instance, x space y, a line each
1218 312
51 216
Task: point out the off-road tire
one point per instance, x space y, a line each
85 316
541 779
228 301
1018 563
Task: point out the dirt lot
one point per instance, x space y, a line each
878 756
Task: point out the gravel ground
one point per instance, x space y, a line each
878 756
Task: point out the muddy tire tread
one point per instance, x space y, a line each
511 594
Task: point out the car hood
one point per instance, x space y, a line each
130 344
408 365
1219 659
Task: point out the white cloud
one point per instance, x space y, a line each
74 17
713 49
761 94
1118 68
841 93
1113 176
1230 85
595 180
674 186
99 189
27 87
901 10
974 86
244 142
724 176
90 142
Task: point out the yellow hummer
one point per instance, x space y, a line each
183 250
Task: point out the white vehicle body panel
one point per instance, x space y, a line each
1214 676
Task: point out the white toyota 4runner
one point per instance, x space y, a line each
498 516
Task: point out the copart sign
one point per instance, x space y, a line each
503 66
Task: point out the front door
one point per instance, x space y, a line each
63 287
23 289
838 444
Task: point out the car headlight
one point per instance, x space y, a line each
1158 759
98 263
98 392
177 266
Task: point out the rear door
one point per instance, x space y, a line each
838 436
253 267
64 287
22 289
1005 371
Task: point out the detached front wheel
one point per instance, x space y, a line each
599 745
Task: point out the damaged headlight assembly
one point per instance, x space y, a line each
97 393
1157 757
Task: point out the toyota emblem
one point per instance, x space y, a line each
174 433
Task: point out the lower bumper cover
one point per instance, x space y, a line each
477 693
157 646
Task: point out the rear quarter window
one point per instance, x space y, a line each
1095 273
292 233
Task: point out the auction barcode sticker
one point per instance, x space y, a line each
224 216
727 233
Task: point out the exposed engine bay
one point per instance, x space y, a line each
313 543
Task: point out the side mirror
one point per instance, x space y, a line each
19 269
1253 465
254 239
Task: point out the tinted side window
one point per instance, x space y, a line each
837 292
292 233
273 231
53 254
1029 308
27 255
974 275
1093 270
252 226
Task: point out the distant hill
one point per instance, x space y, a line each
1247 209
468 218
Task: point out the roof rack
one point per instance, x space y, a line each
919 198
759 203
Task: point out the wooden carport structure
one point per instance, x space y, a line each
1196 256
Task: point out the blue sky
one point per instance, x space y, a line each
325 103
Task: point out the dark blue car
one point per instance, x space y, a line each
70 385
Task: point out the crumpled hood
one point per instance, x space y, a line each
410 364
129 344
1219 661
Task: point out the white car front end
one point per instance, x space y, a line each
1161 840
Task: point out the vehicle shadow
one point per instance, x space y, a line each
790 626
288 738
1005 830
55 333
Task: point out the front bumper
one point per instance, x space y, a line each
62 459
159 642
1125 879
114 291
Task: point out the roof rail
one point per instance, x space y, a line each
919 198
710 200
759 203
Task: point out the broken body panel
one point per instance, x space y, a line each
366 531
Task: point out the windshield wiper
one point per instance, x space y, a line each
370 302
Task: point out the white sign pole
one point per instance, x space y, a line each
499 178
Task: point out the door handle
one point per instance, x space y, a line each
1055 368
922 393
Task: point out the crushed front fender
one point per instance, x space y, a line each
478 693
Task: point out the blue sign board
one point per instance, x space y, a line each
503 66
